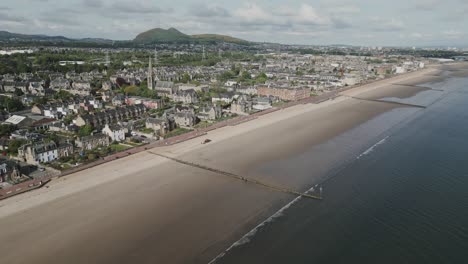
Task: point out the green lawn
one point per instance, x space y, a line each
134 144
177 132
202 124
119 147
147 130
278 104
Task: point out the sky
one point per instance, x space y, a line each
318 22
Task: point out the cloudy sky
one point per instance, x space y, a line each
357 22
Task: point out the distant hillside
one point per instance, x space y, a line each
223 38
153 36
7 36
172 35
159 35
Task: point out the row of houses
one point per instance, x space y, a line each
60 109
44 152
33 87
284 93
183 117
111 116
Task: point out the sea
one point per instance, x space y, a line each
395 190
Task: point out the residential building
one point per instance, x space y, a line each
284 93
10 171
60 84
92 142
186 97
111 116
223 98
185 119
43 152
196 88
262 103
147 102
164 88
160 126
241 105
210 113
115 132
118 100
231 84
248 90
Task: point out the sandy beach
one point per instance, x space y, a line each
148 209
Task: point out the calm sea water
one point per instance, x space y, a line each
403 201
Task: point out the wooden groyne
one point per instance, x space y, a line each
386 102
241 178
417 86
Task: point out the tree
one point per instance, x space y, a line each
91 156
68 119
261 78
53 137
226 76
14 145
63 95
18 92
86 130
245 76
185 78
132 90
11 104
41 100
5 130
147 93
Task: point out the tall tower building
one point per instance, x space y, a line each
150 74
156 60
107 62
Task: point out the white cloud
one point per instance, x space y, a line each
309 16
425 5
298 21
453 34
137 6
382 24
251 12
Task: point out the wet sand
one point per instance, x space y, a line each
146 209
397 91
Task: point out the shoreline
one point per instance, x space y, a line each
378 177
145 197
197 133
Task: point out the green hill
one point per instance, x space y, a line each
222 38
172 35
6 36
159 35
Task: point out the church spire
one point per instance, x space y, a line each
150 74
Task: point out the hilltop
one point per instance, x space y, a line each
172 35
162 36
223 38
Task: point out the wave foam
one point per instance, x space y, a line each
247 237
368 151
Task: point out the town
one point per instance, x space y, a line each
65 107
